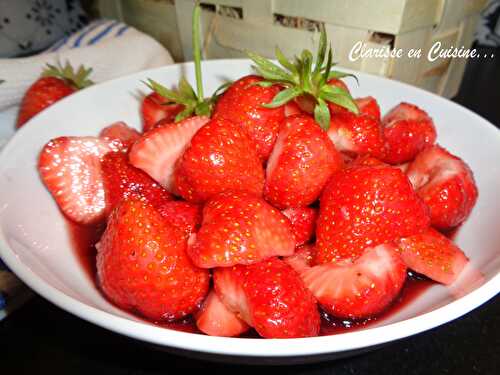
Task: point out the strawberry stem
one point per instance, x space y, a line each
197 50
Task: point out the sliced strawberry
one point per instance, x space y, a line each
142 264
407 131
358 289
157 151
184 215
220 158
154 108
302 259
303 221
433 255
242 105
123 181
356 134
446 184
215 319
301 163
275 298
369 106
364 207
228 284
119 135
240 228
70 168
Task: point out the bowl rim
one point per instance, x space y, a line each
231 346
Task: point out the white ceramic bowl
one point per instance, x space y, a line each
34 240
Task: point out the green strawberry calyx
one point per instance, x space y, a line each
79 79
193 102
305 78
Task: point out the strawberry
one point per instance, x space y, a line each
119 135
433 255
364 207
301 163
240 228
142 264
273 297
157 151
242 105
356 134
368 106
446 184
359 289
55 83
155 107
123 181
220 157
302 259
186 216
70 168
367 161
292 108
407 130
303 220
215 319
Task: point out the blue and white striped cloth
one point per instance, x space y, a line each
95 32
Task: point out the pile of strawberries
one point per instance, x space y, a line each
257 217
261 206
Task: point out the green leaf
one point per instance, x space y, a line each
336 74
283 97
305 77
185 113
342 100
203 109
268 69
284 61
222 88
322 114
185 90
328 67
166 93
321 51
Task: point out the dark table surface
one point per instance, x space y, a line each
41 338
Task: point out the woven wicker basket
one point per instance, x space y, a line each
232 26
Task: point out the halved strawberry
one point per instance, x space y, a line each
184 215
70 168
119 135
302 259
407 131
154 108
215 319
228 284
157 151
142 264
242 105
302 161
273 296
433 255
358 289
446 184
356 134
303 221
220 158
123 181
240 228
364 207
368 106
